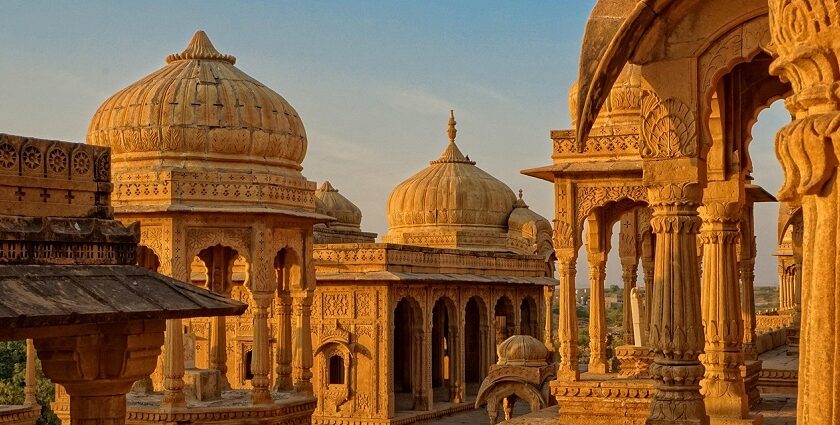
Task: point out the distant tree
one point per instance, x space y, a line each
13 380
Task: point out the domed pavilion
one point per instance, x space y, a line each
208 160
454 204
407 329
347 227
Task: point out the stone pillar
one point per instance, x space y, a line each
456 382
676 327
418 367
97 370
261 354
217 356
567 326
804 38
302 344
597 315
647 242
548 329
30 377
628 251
748 308
173 365
723 387
629 274
284 342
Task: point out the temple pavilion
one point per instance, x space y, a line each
407 329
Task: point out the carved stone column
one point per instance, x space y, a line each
748 308
647 242
629 274
723 387
597 316
261 356
804 39
173 365
676 328
30 376
567 329
456 382
302 363
284 342
97 370
548 328
217 356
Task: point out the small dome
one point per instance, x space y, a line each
522 350
531 226
330 202
201 112
451 191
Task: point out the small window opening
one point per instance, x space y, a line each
336 370
248 357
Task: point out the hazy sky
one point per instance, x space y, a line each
373 82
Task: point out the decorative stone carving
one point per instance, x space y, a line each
668 128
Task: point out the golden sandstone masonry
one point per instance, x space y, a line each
453 309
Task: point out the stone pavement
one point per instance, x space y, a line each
777 410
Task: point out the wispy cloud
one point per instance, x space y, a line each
419 100
487 92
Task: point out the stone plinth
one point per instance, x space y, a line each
202 384
750 372
634 361
602 400
233 408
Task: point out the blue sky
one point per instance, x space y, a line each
372 80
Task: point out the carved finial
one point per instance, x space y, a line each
200 47
452 130
520 193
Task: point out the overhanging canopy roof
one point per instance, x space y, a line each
45 295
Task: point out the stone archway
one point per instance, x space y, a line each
476 344
407 354
529 317
147 258
445 358
504 321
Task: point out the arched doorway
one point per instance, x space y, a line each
147 259
504 320
476 344
407 366
288 274
528 319
445 359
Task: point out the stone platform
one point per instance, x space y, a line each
602 398
19 414
233 408
776 410
779 373
438 411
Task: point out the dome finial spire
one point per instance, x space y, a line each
452 130
200 47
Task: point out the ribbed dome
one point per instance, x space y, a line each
451 191
525 221
200 111
330 202
522 350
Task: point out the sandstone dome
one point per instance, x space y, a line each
330 202
450 192
522 350
200 112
